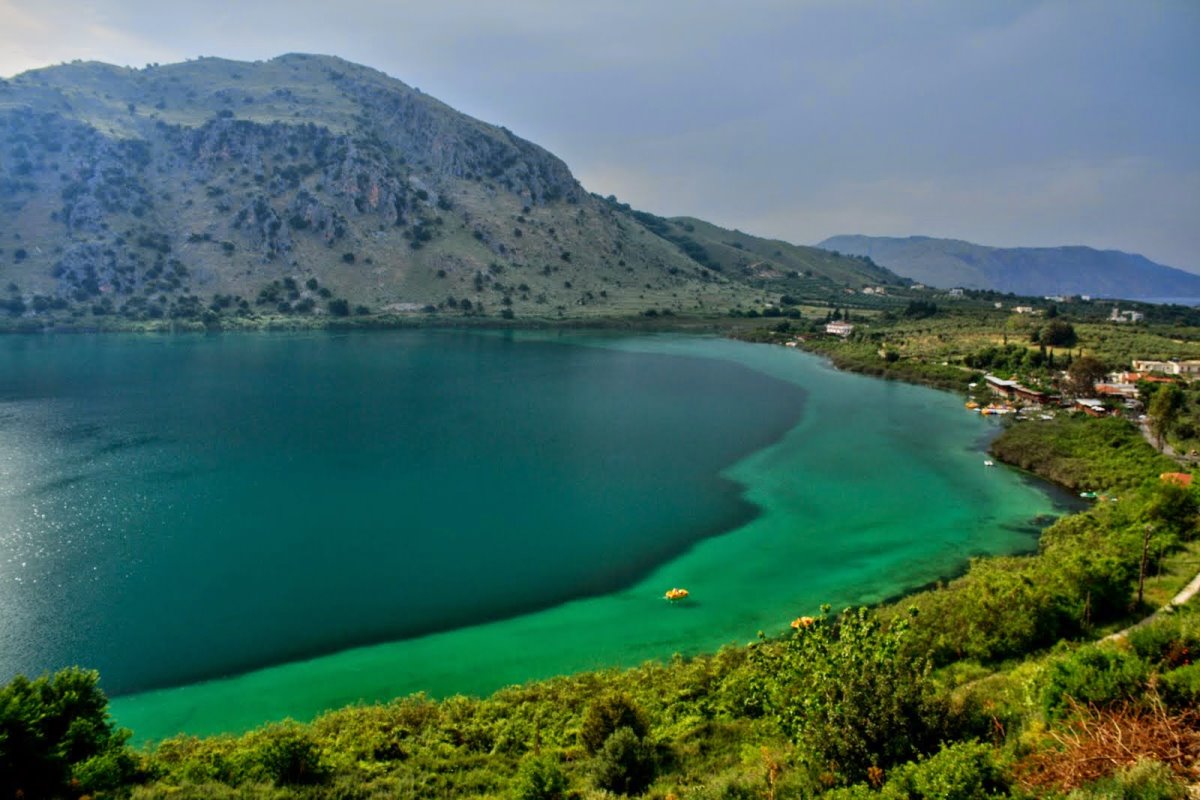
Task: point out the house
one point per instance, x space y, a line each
1032 396
1093 408
1001 387
1126 390
1168 367
956 292
1118 315
1023 309
839 328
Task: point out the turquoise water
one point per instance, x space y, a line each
277 525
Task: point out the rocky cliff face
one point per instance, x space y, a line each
304 185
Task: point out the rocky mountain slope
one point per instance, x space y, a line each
1034 271
307 186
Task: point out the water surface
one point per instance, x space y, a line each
355 517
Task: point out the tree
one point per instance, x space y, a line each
1165 407
1058 334
1083 374
56 729
852 694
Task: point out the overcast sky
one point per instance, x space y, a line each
1006 123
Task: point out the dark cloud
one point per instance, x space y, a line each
1006 123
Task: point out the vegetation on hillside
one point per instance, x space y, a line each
186 195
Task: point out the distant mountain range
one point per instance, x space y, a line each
1036 271
306 185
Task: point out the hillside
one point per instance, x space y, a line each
306 186
1033 271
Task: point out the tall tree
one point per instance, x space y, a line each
1164 411
1083 374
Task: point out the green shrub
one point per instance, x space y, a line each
964 771
626 764
289 756
1170 641
1145 780
1093 674
540 778
1181 687
605 715
851 694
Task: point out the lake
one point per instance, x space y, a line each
243 527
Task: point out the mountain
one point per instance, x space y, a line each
1022 270
217 190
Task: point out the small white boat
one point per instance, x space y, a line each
989 463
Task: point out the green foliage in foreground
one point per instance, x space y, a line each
55 736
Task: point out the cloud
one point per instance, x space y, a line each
59 32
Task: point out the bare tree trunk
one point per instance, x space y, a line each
1142 565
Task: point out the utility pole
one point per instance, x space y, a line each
1142 567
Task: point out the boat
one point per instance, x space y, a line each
1088 495
972 405
989 463
676 594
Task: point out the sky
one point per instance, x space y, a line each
1004 123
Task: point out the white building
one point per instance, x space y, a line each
1168 367
1118 315
839 328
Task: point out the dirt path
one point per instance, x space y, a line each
1185 594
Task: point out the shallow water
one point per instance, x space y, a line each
486 507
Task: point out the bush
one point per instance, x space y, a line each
964 771
1145 780
604 715
48 726
1181 687
289 756
540 778
852 694
626 764
1093 674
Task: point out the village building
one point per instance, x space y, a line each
1125 390
956 292
1001 387
1184 368
1118 315
1012 390
1091 407
839 328
1023 309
